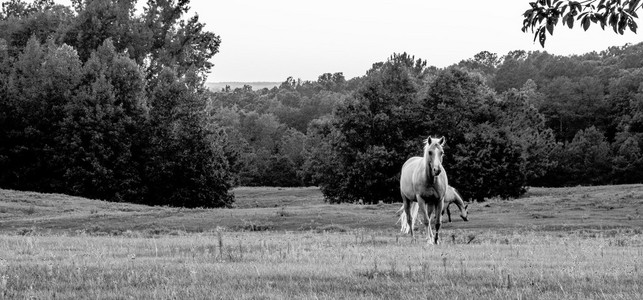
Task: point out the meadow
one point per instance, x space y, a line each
567 243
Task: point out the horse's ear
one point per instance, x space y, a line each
442 141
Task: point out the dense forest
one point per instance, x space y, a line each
103 101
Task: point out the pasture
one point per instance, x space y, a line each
567 243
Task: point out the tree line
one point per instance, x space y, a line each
102 101
512 121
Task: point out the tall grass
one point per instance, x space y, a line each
322 265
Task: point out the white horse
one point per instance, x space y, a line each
424 180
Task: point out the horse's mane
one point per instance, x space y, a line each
428 142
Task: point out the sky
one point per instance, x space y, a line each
272 40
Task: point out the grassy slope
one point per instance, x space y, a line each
264 208
520 249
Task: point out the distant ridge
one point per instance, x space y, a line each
217 86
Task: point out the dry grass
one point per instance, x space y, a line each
572 243
308 265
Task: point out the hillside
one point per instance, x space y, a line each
263 208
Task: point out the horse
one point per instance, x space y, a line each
423 179
452 196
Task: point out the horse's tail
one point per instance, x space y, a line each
403 217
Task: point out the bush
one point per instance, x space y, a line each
488 164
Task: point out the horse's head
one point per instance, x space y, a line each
433 152
464 214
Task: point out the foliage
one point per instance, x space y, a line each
528 130
322 166
100 110
544 15
100 133
119 112
376 129
269 127
494 146
488 163
186 161
585 160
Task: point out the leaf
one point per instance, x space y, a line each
601 18
570 22
632 25
622 24
585 23
613 21
542 37
576 6
557 6
550 26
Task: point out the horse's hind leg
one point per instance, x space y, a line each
409 216
447 211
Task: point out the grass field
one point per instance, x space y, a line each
568 243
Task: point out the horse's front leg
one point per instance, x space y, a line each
426 211
438 219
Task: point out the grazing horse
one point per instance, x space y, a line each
424 180
452 196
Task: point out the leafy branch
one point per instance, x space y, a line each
544 15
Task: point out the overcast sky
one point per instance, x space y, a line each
271 40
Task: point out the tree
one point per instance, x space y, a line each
101 133
110 106
322 166
488 163
528 129
227 121
483 61
571 104
495 145
40 81
584 160
544 15
513 72
455 101
376 130
186 164
628 159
